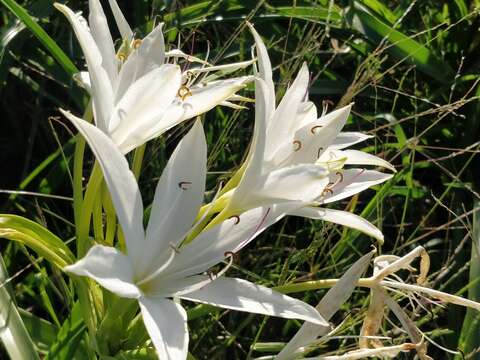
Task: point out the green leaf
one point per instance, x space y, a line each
43 332
310 13
37 238
470 335
13 333
41 35
399 46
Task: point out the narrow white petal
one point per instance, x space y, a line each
241 295
178 196
301 183
205 98
328 306
177 53
355 157
102 90
211 246
149 55
344 218
145 102
354 181
122 24
110 268
282 125
381 352
346 139
256 154
103 39
314 138
120 181
166 323
265 70
83 80
202 100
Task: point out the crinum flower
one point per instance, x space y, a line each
384 280
136 94
297 156
157 270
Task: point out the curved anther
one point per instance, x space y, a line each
188 78
319 152
298 145
314 129
184 92
236 217
184 185
327 190
340 177
136 43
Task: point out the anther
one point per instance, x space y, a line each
327 190
229 254
184 185
340 175
122 57
136 43
183 92
298 145
319 152
313 130
236 217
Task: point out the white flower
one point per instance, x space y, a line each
137 95
297 156
157 270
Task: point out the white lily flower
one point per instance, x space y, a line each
297 156
157 270
137 95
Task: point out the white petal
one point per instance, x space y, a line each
145 102
355 157
282 125
207 97
256 155
327 307
122 24
166 323
313 139
210 247
149 55
294 183
120 181
177 53
202 100
265 70
110 268
306 114
102 91
178 196
83 80
354 181
241 295
344 218
103 39
346 139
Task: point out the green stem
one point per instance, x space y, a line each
137 160
83 228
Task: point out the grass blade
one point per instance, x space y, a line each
22 14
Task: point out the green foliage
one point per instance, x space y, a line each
412 69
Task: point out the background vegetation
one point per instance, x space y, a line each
412 69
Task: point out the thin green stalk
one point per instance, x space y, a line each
13 333
83 228
137 160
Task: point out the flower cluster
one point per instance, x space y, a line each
298 162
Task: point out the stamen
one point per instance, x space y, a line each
160 268
213 276
184 185
327 190
236 217
314 129
319 152
325 104
174 248
122 57
184 92
136 43
340 175
298 145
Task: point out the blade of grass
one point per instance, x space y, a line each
22 14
